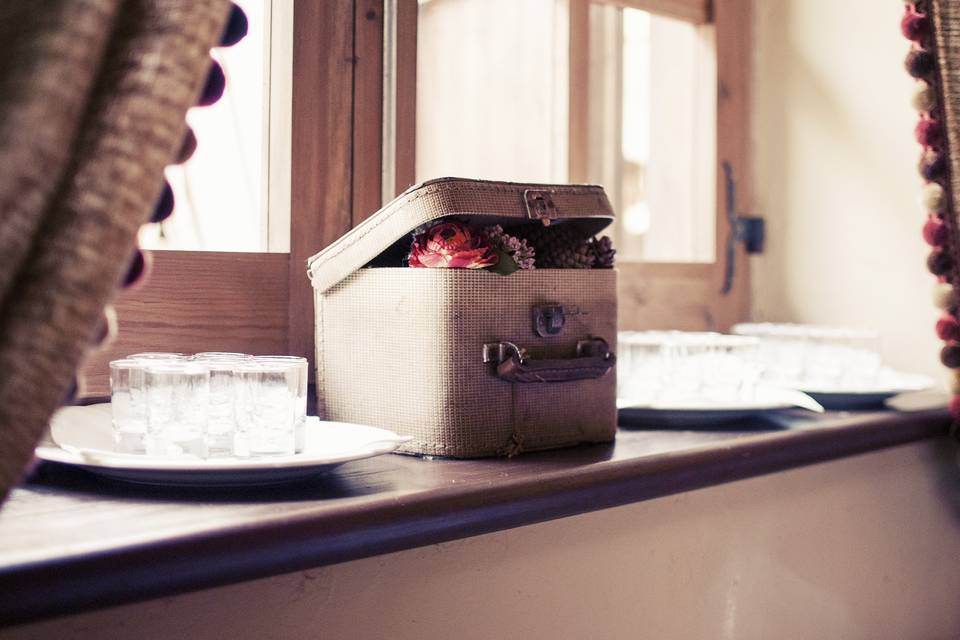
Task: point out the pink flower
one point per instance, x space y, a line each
451 245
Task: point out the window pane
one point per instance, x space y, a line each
494 95
220 192
492 89
661 175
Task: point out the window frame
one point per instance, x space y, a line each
656 295
682 295
263 302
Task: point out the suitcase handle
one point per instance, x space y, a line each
593 360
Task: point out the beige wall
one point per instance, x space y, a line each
835 175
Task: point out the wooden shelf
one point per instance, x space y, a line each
72 542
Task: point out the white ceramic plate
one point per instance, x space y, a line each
83 438
889 384
696 412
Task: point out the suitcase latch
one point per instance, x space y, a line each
593 348
540 205
548 320
497 352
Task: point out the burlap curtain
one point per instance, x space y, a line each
93 95
946 25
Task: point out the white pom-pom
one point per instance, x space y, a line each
955 382
944 296
932 198
924 97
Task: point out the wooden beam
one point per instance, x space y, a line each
696 11
321 163
278 135
199 301
733 24
406 97
578 132
678 296
367 108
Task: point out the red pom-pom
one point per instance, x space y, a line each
929 132
954 407
939 262
935 232
915 26
214 87
948 329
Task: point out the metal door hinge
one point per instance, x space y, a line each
750 230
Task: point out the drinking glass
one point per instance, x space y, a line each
640 366
228 355
302 371
680 368
687 355
816 357
266 409
177 406
732 370
864 364
221 414
823 362
159 355
129 405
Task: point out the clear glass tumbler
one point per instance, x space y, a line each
816 357
687 356
681 368
862 357
129 405
177 406
159 355
302 368
267 409
732 370
221 414
640 367
208 355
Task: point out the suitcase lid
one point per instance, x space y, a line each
488 201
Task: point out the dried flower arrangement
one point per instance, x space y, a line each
461 245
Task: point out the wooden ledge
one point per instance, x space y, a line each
72 542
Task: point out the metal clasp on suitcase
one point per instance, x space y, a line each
548 319
540 205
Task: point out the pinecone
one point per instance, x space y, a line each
559 246
579 257
602 249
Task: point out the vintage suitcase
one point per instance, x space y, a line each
468 362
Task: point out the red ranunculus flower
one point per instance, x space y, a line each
451 245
